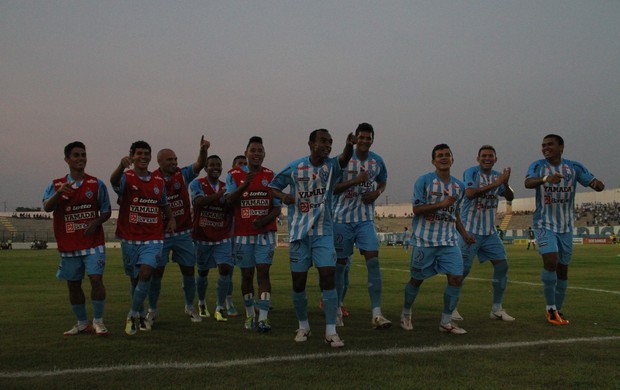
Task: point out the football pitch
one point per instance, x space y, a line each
527 353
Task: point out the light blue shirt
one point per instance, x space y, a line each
348 205
555 203
438 228
313 188
478 214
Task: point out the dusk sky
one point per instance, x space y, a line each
466 73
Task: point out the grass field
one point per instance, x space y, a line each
528 353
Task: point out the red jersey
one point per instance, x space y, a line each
140 216
255 202
73 213
178 199
213 222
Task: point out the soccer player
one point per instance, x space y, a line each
406 239
255 213
144 215
311 181
555 180
231 310
363 181
212 234
436 200
483 187
531 238
81 205
180 242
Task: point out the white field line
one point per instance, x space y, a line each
305 358
513 281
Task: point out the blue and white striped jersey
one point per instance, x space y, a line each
555 203
438 228
478 214
348 205
313 188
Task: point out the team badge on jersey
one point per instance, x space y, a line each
89 194
156 190
177 185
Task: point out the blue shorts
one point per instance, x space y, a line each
73 268
251 255
362 234
560 243
183 252
210 256
488 247
317 250
135 255
427 262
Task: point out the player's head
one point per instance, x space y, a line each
139 145
559 139
255 152
552 147
167 160
320 143
213 168
75 156
239 161
365 136
487 157
73 145
442 157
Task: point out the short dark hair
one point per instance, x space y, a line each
139 145
312 137
212 156
486 147
73 145
557 138
254 140
240 156
366 127
439 147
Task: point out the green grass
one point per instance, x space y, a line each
35 312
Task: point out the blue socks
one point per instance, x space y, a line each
500 272
560 293
450 298
154 292
549 279
374 282
80 312
300 303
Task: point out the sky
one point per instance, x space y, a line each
465 73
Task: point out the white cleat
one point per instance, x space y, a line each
451 328
405 322
501 315
456 316
302 335
380 322
334 341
